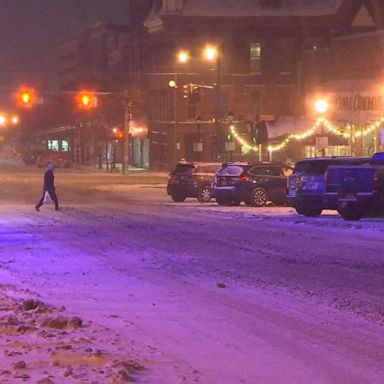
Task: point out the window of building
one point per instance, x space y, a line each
255 57
53 145
64 145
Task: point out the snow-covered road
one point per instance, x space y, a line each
199 293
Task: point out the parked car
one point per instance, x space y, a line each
305 187
192 179
357 191
254 184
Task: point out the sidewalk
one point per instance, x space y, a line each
10 160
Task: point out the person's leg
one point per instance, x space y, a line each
40 203
54 199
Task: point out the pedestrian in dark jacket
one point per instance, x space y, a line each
49 187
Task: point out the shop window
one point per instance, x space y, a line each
53 145
64 146
255 57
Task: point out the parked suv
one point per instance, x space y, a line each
192 180
255 184
305 187
358 191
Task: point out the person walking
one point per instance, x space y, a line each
49 187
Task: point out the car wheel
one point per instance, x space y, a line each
351 212
311 212
204 194
259 197
177 197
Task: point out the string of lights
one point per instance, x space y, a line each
347 132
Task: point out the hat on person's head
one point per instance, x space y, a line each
50 165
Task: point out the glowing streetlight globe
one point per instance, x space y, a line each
321 106
210 53
2 120
15 120
183 57
172 83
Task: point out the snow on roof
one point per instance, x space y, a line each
241 8
279 128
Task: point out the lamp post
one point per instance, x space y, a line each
182 58
212 54
127 122
198 145
321 107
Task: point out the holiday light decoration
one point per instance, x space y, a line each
346 132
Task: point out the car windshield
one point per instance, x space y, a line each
231 170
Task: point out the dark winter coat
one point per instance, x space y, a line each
49 180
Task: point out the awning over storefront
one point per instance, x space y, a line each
280 128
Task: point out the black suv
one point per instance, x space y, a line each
305 188
192 180
255 184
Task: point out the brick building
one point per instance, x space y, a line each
274 57
348 71
258 75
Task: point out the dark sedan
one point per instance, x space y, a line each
254 184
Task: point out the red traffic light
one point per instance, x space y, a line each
87 100
26 97
118 134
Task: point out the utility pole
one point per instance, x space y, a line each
218 108
127 122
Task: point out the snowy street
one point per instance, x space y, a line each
193 293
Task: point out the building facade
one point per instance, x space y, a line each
271 60
348 72
258 73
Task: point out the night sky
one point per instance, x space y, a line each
31 29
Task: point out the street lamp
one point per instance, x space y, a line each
321 107
211 53
182 58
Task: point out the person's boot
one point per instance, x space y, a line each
37 208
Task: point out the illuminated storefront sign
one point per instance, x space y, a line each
358 102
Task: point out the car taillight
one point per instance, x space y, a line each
244 178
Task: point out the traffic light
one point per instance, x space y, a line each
187 91
118 134
26 98
191 92
87 100
195 94
229 137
